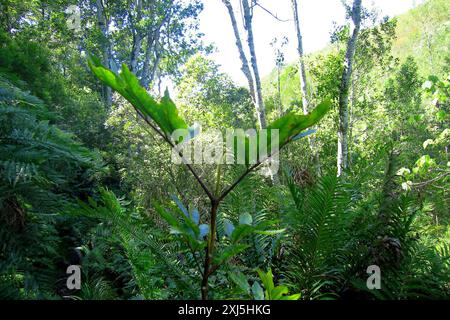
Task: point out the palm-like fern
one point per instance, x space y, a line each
318 223
39 164
333 241
149 256
41 170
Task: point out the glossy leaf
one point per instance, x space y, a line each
273 292
296 296
267 280
257 291
180 205
195 215
204 230
170 219
164 113
241 280
229 227
241 231
278 292
292 124
289 127
245 218
304 134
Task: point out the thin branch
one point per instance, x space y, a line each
425 183
194 173
250 169
214 268
272 14
195 258
238 180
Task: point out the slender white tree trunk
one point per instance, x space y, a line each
342 155
145 76
303 82
244 62
260 109
106 48
301 66
153 51
137 37
137 42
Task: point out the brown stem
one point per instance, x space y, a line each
425 183
191 169
247 171
209 251
214 206
238 180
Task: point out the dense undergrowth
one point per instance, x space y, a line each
86 184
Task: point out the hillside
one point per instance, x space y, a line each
111 189
422 33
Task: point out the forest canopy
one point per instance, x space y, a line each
132 166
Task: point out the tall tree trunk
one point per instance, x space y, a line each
260 109
106 50
351 119
137 41
151 76
303 82
152 50
5 17
301 66
342 155
145 81
244 67
389 186
280 107
137 37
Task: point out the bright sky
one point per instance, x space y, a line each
316 17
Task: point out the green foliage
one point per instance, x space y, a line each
39 162
42 171
319 224
209 97
145 248
423 32
187 226
28 65
166 116
29 62
334 242
292 124
316 234
431 166
273 292
164 113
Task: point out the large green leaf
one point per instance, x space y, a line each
267 280
257 291
164 113
240 232
292 124
241 280
273 292
170 219
289 127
